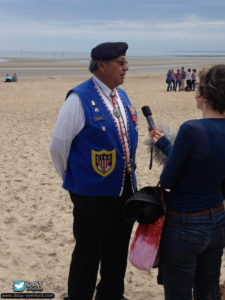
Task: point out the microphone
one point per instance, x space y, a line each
148 115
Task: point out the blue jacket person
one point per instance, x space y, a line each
93 149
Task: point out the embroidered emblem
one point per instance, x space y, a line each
93 102
103 162
100 118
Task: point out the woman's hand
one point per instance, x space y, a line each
155 135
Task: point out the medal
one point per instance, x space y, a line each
116 112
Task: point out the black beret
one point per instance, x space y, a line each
107 51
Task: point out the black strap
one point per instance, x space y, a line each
151 157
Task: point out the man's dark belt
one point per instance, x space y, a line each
198 213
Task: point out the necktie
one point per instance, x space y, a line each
116 112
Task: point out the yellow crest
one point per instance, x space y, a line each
103 162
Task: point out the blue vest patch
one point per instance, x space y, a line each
104 161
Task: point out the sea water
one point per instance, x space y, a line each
55 64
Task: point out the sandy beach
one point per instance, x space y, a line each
36 220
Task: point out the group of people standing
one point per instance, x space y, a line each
93 149
184 80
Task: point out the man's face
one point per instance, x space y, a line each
113 72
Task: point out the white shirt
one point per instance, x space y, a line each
71 121
188 75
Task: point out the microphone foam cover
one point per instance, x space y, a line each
146 111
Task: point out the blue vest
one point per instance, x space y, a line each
96 164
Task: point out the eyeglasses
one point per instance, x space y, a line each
121 62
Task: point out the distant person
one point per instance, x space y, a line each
178 79
168 80
14 78
183 78
188 81
7 78
173 81
193 79
93 149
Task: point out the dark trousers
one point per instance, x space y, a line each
169 84
178 83
102 237
191 253
193 85
189 84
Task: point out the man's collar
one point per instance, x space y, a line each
104 87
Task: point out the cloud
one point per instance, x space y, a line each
120 27
162 34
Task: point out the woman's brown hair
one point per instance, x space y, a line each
212 86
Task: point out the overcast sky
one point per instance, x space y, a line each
149 26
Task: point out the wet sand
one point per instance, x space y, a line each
68 67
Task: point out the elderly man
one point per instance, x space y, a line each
93 149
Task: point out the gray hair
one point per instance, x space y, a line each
93 66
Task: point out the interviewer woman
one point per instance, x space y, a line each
194 232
